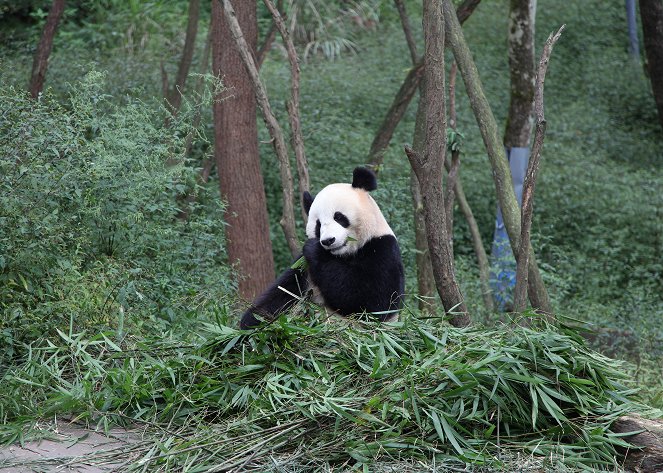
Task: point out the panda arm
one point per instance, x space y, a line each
274 301
372 280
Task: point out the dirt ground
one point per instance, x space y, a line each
71 448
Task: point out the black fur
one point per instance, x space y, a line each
364 178
372 280
341 219
307 201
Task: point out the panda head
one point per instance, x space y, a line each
344 217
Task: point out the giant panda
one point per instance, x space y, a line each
352 259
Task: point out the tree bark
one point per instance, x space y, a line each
174 95
649 458
501 173
40 61
237 158
520 292
246 54
293 104
651 14
428 168
425 278
522 16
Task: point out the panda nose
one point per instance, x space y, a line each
328 241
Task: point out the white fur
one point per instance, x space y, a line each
366 219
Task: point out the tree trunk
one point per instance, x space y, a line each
429 167
521 70
40 62
236 152
651 13
500 167
425 278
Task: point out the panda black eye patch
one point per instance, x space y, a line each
342 220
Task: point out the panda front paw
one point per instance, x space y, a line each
310 249
314 253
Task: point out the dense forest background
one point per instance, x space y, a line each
93 177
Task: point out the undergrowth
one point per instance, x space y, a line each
309 394
88 221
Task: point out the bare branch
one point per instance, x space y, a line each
293 103
288 217
520 292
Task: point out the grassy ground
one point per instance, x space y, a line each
597 227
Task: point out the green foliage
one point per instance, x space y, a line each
88 229
350 392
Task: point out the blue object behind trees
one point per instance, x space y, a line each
634 45
503 267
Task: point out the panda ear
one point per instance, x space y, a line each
307 201
364 178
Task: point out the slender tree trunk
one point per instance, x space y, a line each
651 13
40 62
174 96
429 167
521 70
237 158
501 174
425 278
203 176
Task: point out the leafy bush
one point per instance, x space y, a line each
88 230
